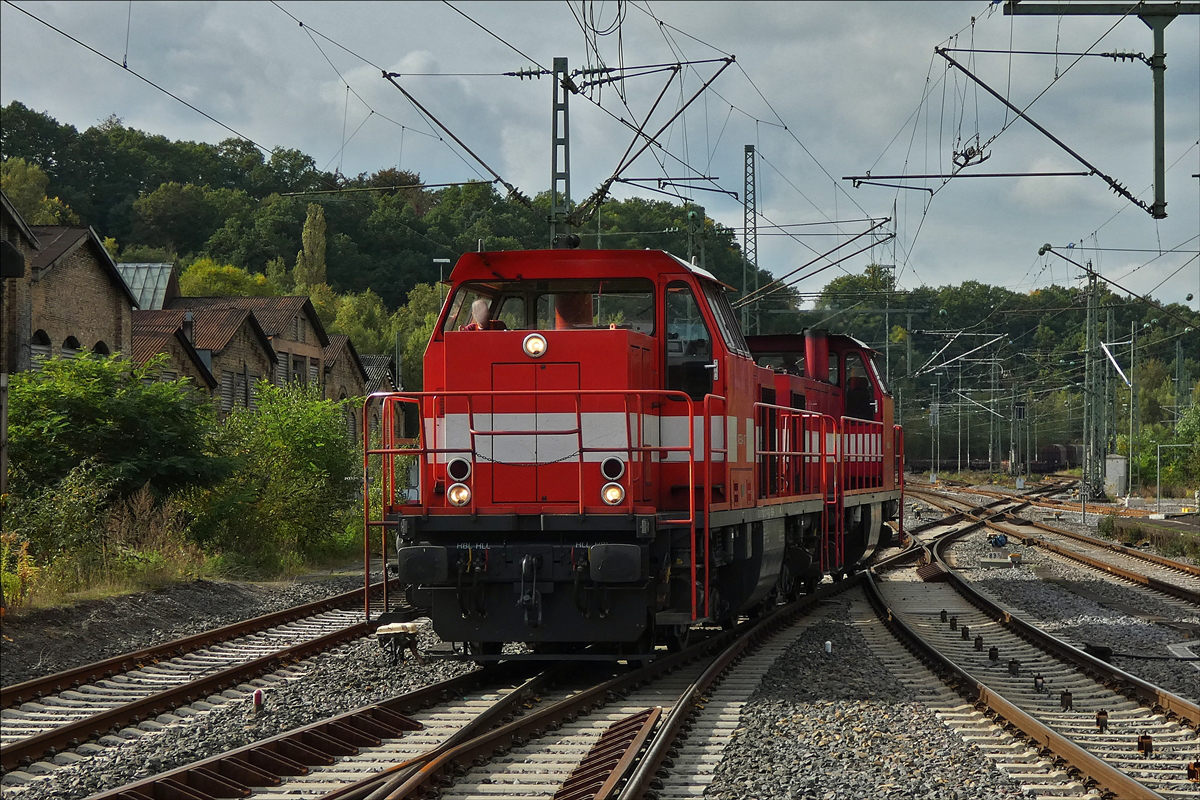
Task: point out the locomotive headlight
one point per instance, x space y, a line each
459 494
612 493
459 469
534 345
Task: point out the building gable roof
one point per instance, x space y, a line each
148 342
379 370
340 346
149 282
11 211
274 313
59 241
212 328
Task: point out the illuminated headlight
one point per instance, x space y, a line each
534 345
459 494
612 494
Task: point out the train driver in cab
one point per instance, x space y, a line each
481 318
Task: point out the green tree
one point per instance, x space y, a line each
310 261
136 428
365 319
182 217
413 324
279 277
207 278
293 486
26 184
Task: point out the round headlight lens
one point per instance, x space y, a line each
459 494
534 345
612 493
612 468
459 469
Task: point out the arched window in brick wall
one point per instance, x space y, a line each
39 349
70 347
101 349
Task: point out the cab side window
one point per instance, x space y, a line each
860 390
689 343
726 320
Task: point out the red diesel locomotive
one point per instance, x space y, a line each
602 456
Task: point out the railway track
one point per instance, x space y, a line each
1055 695
1175 579
45 716
1038 496
568 739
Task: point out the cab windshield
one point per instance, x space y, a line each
542 305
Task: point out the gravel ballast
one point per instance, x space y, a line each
42 642
355 675
1068 611
841 726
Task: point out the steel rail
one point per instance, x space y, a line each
1092 768
1063 505
643 774
73 678
72 734
445 767
384 782
1154 558
1173 706
1155 584
1180 592
294 752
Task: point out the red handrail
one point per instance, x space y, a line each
389 451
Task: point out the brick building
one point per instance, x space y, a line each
345 378
292 326
228 341
70 298
345 374
183 361
19 243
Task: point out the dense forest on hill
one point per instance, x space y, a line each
238 220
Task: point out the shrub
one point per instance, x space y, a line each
293 487
134 428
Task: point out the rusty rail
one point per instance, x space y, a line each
1144 692
535 724
70 735
74 678
267 762
1092 768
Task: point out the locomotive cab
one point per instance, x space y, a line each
599 459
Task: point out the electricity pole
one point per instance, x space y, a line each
560 156
1157 17
749 238
1093 403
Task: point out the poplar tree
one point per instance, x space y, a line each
310 261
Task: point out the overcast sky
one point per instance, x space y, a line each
857 85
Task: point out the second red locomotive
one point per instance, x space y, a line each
602 456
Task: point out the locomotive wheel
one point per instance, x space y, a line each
641 651
484 649
767 605
677 636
